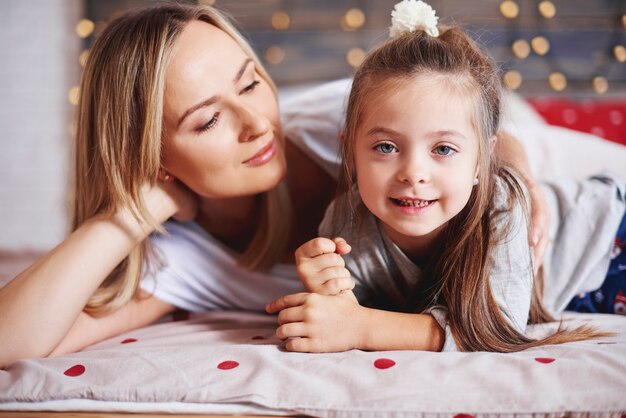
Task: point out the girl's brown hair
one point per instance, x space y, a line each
457 276
119 131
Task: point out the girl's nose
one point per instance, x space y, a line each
253 123
414 170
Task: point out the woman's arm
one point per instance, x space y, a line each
511 151
88 330
40 307
318 323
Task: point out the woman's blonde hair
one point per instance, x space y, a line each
457 276
119 131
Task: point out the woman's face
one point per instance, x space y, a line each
222 135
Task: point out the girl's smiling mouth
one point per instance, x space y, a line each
410 203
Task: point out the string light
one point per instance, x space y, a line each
620 53
353 19
521 49
512 79
82 59
540 45
73 94
84 28
600 84
547 9
274 55
509 9
355 57
280 20
557 81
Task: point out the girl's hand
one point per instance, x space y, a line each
314 323
540 222
321 267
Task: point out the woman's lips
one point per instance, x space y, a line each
264 155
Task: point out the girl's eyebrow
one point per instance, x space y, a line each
446 133
381 130
435 134
214 99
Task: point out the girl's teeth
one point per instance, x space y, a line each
413 203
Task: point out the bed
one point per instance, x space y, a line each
231 363
225 363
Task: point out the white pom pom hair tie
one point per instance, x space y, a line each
412 15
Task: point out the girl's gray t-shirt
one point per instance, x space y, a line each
585 218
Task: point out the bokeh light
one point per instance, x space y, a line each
512 79
557 81
509 9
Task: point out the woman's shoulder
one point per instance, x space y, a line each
312 120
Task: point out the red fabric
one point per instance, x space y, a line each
604 118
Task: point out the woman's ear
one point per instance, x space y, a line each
164 175
492 143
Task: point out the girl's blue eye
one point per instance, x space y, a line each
444 150
210 124
385 148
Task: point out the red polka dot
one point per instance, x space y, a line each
569 116
258 337
75 370
227 365
129 340
544 360
616 117
463 416
384 363
598 131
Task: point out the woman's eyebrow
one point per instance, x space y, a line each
214 99
242 70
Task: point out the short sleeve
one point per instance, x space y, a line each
440 314
197 273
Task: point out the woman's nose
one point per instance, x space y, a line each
253 123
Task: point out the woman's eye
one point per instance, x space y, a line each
444 150
251 87
385 148
210 124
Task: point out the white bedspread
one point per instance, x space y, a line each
231 362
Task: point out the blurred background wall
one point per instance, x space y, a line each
572 49
39 51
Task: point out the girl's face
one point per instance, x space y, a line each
221 122
416 156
